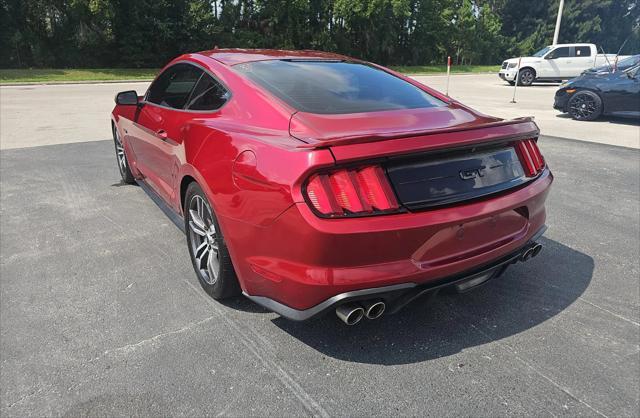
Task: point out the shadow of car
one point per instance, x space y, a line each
518 301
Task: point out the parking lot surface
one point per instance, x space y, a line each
35 115
101 313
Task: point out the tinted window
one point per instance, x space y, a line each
335 87
207 95
583 51
562 52
173 87
542 51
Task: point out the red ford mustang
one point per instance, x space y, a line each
311 181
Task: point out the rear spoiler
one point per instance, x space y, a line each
527 128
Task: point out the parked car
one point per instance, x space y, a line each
616 65
593 94
554 63
311 181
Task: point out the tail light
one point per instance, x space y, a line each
347 192
530 157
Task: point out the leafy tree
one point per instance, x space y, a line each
147 33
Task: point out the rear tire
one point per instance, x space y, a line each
121 157
207 248
526 77
585 105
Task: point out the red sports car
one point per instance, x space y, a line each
311 181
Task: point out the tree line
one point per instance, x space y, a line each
148 33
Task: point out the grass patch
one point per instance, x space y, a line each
442 69
71 75
43 75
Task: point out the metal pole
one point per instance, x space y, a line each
558 20
515 85
448 73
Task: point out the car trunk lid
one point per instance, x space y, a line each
431 166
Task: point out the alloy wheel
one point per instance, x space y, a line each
122 160
204 239
526 78
583 106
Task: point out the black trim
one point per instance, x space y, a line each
414 177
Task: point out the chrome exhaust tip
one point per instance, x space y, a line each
531 252
535 250
374 310
350 314
526 255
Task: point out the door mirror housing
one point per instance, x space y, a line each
127 98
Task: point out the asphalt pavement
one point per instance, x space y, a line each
34 115
102 315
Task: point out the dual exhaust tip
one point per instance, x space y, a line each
352 313
531 252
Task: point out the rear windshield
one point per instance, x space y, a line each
333 87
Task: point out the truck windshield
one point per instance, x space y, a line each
335 87
542 51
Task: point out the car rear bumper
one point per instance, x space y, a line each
300 261
398 295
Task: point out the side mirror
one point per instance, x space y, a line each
127 98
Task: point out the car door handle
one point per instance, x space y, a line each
162 134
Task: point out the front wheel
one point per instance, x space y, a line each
526 77
207 248
585 105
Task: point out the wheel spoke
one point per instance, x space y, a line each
197 229
200 209
202 236
196 218
202 255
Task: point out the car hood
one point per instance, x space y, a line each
524 60
590 79
329 129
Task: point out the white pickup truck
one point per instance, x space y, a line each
554 62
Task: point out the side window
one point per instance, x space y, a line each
207 95
173 87
583 51
562 52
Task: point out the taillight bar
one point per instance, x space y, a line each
351 192
530 157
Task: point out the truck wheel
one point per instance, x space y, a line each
585 105
527 75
